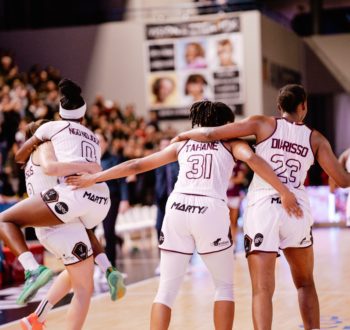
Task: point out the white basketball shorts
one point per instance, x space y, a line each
68 242
90 205
268 227
195 222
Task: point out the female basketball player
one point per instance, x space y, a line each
72 142
197 215
290 148
68 242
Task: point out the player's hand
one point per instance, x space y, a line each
290 204
81 180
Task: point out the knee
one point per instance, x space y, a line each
224 292
264 288
84 289
304 283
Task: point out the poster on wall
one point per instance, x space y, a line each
193 61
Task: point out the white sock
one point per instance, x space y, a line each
103 262
43 309
28 261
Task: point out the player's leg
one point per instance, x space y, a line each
29 212
220 266
172 270
301 262
60 287
81 275
262 275
115 278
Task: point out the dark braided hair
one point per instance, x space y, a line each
71 98
290 96
207 114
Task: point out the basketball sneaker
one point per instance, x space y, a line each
34 280
116 284
31 322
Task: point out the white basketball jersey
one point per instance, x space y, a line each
36 180
205 169
288 151
72 141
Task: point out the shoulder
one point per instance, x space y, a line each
318 140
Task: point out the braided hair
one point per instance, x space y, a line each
209 114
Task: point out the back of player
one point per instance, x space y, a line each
68 242
73 142
205 169
197 207
288 151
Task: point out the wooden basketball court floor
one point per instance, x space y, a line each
193 307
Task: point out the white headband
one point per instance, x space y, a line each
73 114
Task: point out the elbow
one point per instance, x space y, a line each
135 166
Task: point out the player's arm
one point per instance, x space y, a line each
50 165
130 167
328 161
27 148
245 127
243 152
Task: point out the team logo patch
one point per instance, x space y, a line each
51 196
161 238
218 242
61 208
247 243
80 250
258 239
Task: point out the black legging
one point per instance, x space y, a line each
109 230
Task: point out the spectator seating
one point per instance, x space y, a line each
138 222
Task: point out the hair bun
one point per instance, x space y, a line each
69 89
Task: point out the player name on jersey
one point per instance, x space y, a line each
198 146
76 131
293 148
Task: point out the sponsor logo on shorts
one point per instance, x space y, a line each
247 243
276 200
189 208
218 242
61 208
80 251
95 198
258 239
161 238
51 196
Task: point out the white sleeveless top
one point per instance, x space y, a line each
36 180
72 141
205 169
288 151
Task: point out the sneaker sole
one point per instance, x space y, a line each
42 279
117 287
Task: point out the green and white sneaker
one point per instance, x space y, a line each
34 280
116 284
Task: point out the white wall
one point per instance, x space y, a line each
280 46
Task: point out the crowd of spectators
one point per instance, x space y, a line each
33 95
